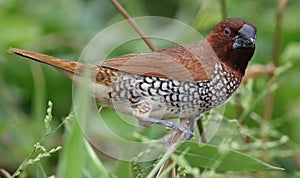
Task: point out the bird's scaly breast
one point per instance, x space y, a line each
172 98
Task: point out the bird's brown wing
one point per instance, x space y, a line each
150 64
192 62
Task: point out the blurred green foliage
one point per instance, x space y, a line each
63 27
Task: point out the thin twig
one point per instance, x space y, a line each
174 172
277 40
5 173
223 9
257 70
268 104
269 98
164 167
177 136
133 24
201 131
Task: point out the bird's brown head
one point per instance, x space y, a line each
233 41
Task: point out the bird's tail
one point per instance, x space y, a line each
67 68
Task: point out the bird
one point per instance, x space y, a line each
181 81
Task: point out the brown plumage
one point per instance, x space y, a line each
180 81
194 60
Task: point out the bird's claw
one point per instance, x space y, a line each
181 128
186 129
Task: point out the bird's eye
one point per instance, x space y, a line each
227 32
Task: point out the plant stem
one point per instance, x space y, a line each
269 99
133 24
201 131
223 9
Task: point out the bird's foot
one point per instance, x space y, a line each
174 126
173 137
186 127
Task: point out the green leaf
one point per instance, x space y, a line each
72 157
123 169
40 173
93 165
212 157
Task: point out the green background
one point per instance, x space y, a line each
62 28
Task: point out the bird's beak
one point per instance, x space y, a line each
245 38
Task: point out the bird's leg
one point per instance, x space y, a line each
169 124
142 113
191 123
